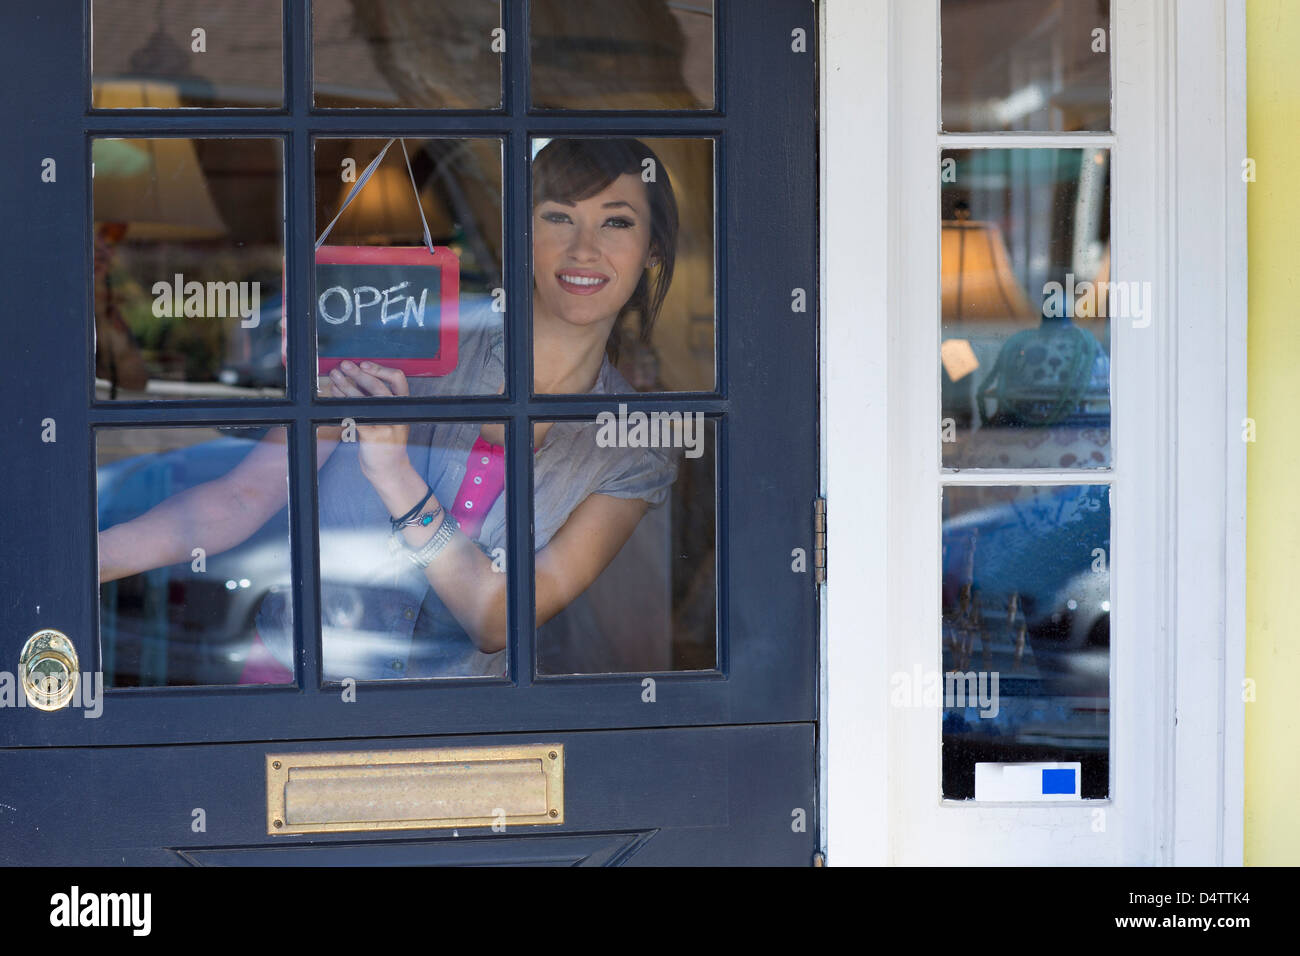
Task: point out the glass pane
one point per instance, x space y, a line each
406 54
625 516
193 540
382 616
623 274
189 252
1026 633
435 314
1027 302
179 54
630 55
1026 65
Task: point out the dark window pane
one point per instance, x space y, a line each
639 272
186 53
406 54
1026 65
1026 635
189 271
629 55
381 294
640 490
193 539
382 616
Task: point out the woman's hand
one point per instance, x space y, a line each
383 446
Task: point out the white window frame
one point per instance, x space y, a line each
1179 396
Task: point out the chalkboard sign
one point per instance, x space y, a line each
394 305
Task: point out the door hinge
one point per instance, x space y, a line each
819 540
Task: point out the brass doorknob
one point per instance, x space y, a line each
48 665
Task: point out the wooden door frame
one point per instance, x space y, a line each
1179 219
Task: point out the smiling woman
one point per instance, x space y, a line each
412 514
630 218
605 225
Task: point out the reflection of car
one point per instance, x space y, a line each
186 623
252 357
1026 594
192 624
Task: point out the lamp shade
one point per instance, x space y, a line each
156 186
978 284
385 209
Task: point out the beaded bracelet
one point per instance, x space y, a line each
399 523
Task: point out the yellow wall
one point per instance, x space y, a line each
1273 461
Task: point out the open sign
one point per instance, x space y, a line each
394 305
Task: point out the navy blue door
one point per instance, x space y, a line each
169 172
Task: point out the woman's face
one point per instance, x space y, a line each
589 255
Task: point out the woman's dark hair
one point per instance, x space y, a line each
569 170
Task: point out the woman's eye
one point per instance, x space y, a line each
555 217
620 223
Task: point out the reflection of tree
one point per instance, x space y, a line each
459 181
624 55
435 54
458 171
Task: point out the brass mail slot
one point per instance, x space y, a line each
415 789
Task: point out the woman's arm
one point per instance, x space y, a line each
464 577
461 574
214 516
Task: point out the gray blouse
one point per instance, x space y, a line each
379 616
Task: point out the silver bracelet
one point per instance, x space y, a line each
441 538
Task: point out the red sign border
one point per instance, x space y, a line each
449 305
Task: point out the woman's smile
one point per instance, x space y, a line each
582 281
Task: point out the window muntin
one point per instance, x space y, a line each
478 164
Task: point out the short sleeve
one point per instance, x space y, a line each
645 473
480 359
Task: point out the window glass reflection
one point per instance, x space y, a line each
625 516
409 266
188 242
1026 65
180 54
623 257
406 54
412 528
630 55
1026 631
193 540
1027 300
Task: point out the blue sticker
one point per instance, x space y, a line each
1058 781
